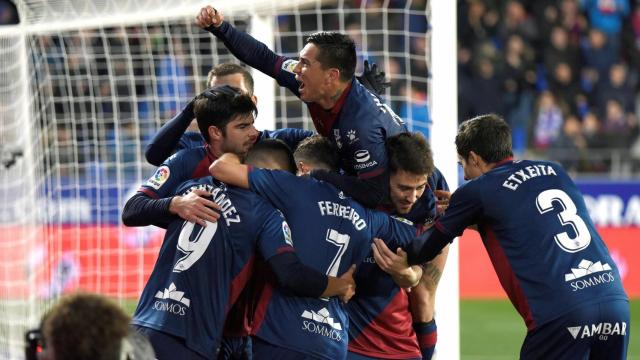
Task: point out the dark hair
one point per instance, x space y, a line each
410 152
226 69
489 136
85 326
219 105
336 50
271 150
319 151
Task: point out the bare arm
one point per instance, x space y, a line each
230 170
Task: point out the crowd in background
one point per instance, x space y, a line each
564 73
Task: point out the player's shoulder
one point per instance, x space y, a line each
194 153
281 177
205 183
438 179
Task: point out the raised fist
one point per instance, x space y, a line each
209 16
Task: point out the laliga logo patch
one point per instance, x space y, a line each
159 178
362 156
289 64
287 233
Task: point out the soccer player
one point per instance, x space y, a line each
548 256
229 114
385 322
339 234
343 110
225 118
173 136
201 270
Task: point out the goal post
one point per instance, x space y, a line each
86 84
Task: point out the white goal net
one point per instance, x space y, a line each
84 85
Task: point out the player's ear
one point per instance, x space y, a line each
302 168
215 133
333 74
473 159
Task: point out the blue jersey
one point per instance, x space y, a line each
290 136
330 233
182 166
381 324
358 124
544 247
200 271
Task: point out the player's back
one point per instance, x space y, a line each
330 232
201 270
360 132
540 238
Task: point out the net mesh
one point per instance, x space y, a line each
85 85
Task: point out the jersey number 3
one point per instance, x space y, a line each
568 216
196 248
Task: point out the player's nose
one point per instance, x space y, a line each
253 133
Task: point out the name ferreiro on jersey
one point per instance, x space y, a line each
517 178
221 198
347 212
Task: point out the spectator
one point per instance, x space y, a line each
88 326
620 128
599 55
569 143
607 16
560 50
573 21
616 87
517 21
564 88
483 94
548 121
519 83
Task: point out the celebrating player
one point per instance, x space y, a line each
311 207
547 254
172 136
201 270
380 316
355 120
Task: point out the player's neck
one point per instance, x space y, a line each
333 95
216 148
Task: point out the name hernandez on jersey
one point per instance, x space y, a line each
220 197
176 300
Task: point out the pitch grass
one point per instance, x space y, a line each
492 330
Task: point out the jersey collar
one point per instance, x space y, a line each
324 119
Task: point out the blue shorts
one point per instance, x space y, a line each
168 347
235 348
598 331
